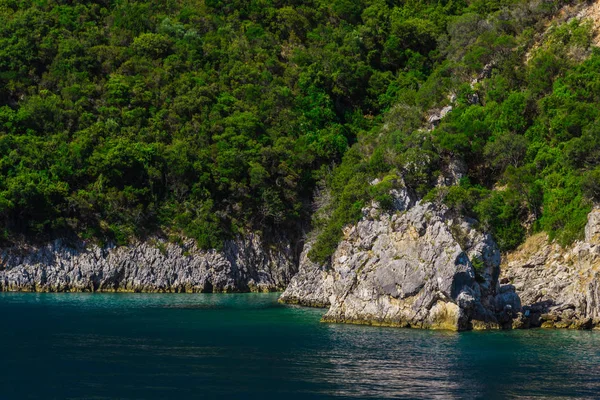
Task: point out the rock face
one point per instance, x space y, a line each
436 116
419 266
558 287
592 229
452 172
312 286
153 266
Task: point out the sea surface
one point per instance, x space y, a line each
247 346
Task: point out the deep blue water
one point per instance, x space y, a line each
138 346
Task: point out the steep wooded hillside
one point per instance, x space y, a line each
205 119
508 133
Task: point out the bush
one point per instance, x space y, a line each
500 214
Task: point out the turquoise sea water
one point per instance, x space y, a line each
246 346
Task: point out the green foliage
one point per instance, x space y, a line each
565 208
528 135
210 118
500 214
350 184
463 198
207 118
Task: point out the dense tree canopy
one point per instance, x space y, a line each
208 118
527 130
203 117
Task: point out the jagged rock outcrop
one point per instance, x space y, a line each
452 172
419 266
558 287
436 116
311 286
246 264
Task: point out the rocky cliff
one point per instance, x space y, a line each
152 266
417 266
420 266
559 287
311 286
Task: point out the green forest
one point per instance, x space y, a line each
209 119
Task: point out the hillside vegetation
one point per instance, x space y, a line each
211 118
524 130
207 118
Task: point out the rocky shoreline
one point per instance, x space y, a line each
417 266
155 265
420 266
560 286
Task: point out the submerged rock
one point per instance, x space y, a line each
152 266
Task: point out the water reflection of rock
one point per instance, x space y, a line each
532 363
371 363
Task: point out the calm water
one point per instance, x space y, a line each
119 346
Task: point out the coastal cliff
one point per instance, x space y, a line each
245 264
418 265
421 266
560 287
415 266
